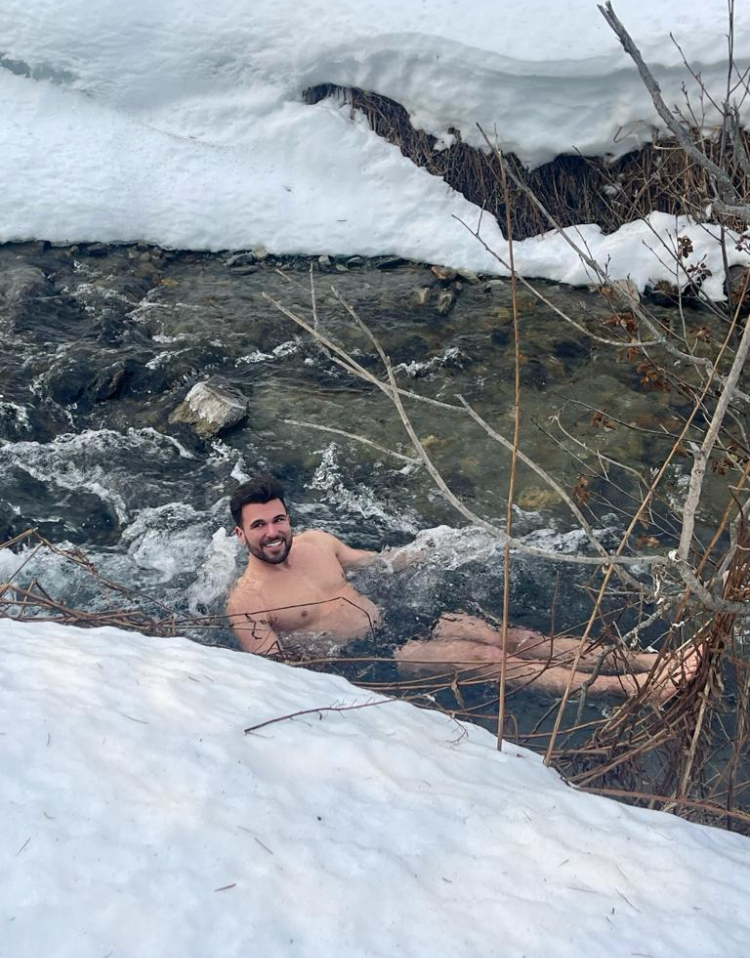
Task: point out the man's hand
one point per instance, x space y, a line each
254 632
399 559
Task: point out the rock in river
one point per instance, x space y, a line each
211 407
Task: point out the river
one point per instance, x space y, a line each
101 344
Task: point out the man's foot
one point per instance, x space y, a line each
671 676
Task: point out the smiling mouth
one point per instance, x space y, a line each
276 544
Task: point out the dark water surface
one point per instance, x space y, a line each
101 344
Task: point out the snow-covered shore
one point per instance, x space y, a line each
138 820
184 125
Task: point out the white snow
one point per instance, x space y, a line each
137 819
183 124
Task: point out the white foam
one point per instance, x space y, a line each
216 573
88 460
167 540
358 499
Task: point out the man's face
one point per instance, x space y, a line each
266 531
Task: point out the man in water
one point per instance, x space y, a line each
294 592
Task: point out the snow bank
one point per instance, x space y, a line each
138 819
182 124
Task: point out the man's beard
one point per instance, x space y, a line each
272 556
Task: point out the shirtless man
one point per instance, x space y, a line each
295 588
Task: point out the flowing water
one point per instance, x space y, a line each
101 344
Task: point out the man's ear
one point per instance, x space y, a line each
240 535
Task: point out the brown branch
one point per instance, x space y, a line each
317 711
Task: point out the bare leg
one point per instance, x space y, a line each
529 644
479 660
482 660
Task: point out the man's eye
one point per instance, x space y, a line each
279 519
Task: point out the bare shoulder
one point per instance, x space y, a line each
245 590
347 557
320 540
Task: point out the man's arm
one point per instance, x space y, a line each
348 558
395 559
253 630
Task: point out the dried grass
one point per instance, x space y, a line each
575 189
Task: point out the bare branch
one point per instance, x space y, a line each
724 183
698 471
350 435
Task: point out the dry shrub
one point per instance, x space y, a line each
575 189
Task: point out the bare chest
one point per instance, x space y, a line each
302 597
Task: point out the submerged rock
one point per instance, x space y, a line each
211 407
446 300
420 297
391 262
240 259
444 273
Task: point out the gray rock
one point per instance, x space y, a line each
392 262
211 407
260 253
420 297
20 283
245 270
736 283
324 260
446 301
24 290
240 259
355 261
444 273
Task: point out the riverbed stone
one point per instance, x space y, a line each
420 297
97 250
533 374
240 259
534 498
526 302
446 300
736 283
211 407
444 273
392 262
18 286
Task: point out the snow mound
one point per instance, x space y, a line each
139 820
183 124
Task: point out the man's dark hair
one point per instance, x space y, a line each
261 488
